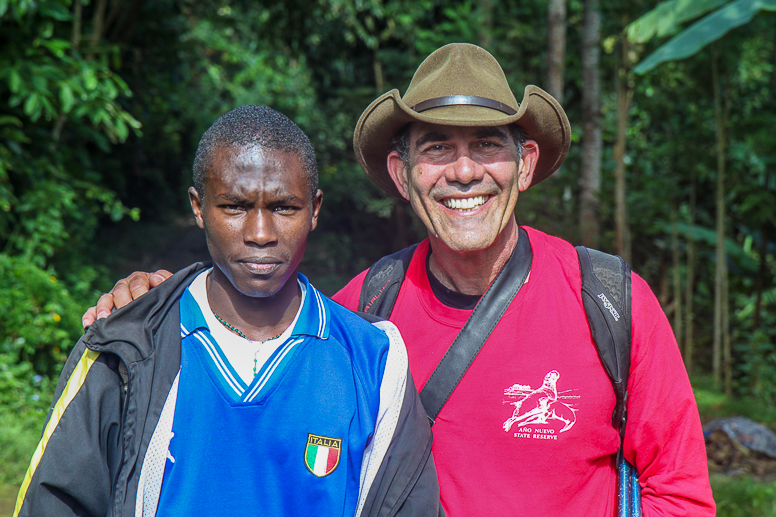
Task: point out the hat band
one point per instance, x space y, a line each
463 100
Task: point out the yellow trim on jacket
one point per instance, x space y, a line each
74 383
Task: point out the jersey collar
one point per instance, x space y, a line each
313 319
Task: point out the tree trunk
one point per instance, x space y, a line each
377 66
485 9
624 98
75 39
721 343
690 285
761 272
676 277
592 139
556 47
75 42
98 22
754 347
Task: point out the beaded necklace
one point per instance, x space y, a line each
237 331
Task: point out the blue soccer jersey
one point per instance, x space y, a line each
304 437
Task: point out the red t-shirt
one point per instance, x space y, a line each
528 429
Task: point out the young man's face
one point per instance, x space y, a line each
463 182
257 212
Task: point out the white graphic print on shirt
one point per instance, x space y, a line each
541 409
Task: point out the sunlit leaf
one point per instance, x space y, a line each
90 81
122 131
66 97
667 17
8 119
705 31
57 46
14 81
48 108
55 10
32 106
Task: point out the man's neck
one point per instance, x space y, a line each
258 319
471 272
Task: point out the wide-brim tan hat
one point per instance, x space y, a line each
460 85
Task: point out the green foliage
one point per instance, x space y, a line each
60 110
743 496
40 324
19 435
698 35
41 317
667 17
55 104
712 404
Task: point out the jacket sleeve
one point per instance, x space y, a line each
663 439
74 465
403 480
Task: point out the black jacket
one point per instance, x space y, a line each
108 401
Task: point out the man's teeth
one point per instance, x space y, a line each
465 204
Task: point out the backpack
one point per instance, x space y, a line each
606 297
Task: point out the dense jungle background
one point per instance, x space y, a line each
102 103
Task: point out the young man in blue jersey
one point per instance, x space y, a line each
238 389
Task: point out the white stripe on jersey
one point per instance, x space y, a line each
271 369
321 313
211 349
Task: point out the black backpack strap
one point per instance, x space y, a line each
606 295
477 329
383 281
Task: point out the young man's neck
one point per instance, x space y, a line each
258 319
471 272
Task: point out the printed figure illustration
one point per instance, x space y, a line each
539 406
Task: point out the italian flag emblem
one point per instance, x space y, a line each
322 454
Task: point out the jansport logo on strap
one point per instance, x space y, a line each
609 307
322 454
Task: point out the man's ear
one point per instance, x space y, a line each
398 173
196 206
317 201
527 164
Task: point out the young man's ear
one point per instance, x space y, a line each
317 202
196 206
527 164
399 174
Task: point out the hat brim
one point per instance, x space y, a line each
539 115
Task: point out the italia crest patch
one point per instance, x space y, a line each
322 454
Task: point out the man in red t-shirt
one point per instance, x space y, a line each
528 429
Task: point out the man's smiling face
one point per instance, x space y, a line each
463 182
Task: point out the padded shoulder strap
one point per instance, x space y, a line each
606 295
483 319
383 281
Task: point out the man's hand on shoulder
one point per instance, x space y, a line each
127 289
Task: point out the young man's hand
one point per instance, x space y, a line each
127 289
